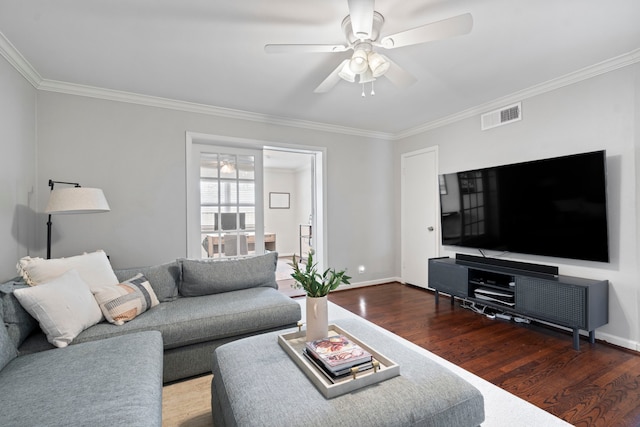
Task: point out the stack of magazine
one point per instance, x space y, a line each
335 356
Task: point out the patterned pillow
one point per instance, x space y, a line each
124 301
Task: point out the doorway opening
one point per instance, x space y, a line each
287 208
293 195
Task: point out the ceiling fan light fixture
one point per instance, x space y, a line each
358 63
346 73
367 76
378 64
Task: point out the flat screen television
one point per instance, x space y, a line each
554 207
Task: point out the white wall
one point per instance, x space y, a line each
17 169
599 113
136 154
282 221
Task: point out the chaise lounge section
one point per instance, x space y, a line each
110 382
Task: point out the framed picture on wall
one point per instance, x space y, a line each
279 200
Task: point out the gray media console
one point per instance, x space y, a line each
573 302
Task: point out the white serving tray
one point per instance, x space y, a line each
294 342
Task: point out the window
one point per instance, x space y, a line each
223 187
227 204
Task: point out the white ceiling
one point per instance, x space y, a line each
211 52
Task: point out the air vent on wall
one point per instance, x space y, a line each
502 116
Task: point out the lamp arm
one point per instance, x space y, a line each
51 182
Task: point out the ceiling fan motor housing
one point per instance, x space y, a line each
378 20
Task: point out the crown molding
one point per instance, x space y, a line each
152 101
586 73
15 58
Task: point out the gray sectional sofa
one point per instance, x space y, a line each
203 304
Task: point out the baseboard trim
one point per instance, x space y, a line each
354 285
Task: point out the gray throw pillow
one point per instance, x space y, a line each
163 279
19 323
8 350
206 277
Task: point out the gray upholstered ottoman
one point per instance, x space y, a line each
256 383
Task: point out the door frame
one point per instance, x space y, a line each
319 178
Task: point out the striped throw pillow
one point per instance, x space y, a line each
123 302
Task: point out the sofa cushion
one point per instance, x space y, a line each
124 301
94 268
206 277
193 320
114 382
8 350
163 278
18 321
63 306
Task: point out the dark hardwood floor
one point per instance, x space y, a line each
596 386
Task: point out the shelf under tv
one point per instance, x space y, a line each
573 302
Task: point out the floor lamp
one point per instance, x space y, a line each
73 200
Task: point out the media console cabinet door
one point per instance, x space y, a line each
448 277
550 300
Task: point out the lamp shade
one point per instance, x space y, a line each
367 77
77 200
346 73
378 64
358 63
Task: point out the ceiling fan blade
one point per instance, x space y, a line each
361 12
331 80
451 27
398 75
304 48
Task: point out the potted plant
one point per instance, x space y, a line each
317 286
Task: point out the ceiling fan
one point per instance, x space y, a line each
362 30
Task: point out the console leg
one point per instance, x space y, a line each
576 339
437 297
452 300
592 337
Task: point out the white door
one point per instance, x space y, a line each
419 214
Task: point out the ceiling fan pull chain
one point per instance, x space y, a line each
372 91
363 95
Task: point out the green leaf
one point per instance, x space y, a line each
314 283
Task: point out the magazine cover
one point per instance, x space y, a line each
338 352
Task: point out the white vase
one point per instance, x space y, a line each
317 318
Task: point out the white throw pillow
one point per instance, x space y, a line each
64 307
94 268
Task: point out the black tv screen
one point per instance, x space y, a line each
553 207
